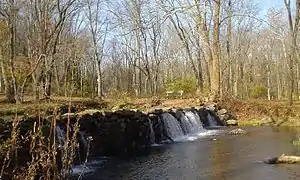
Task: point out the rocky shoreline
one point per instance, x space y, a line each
117 122
127 131
107 133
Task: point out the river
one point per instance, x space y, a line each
211 157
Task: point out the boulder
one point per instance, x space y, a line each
224 117
267 121
222 112
237 132
283 159
211 107
232 122
158 111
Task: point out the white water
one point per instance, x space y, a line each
190 129
89 167
194 137
185 123
195 121
83 139
172 126
152 135
211 121
61 136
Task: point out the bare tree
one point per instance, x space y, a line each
293 26
98 29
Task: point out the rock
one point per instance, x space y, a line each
231 122
158 111
224 117
203 112
211 107
283 159
267 121
222 112
108 113
88 111
237 132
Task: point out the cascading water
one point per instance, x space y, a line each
83 139
211 120
171 126
151 135
184 122
61 136
160 127
195 121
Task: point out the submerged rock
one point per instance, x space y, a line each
237 132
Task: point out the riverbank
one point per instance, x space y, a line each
113 127
247 112
262 112
79 132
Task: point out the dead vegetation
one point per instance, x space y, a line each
259 109
37 154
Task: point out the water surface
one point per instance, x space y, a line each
214 157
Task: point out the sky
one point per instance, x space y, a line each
266 4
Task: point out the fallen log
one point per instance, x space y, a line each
283 159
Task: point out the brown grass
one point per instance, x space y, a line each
244 109
256 109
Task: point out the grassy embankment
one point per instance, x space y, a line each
249 113
263 112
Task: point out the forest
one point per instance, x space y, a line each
145 48
85 82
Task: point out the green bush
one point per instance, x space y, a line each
259 91
186 84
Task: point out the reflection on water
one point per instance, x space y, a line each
226 158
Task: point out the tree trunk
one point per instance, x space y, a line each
12 27
215 79
228 47
236 80
268 82
57 80
99 80
204 34
199 75
9 94
293 35
279 88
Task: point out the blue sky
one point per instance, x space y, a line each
266 4
271 3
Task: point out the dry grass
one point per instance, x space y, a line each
39 157
245 110
29 106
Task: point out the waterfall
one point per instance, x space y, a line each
83 139
211 120
171 126
184 122
152 135
61 136
195 121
